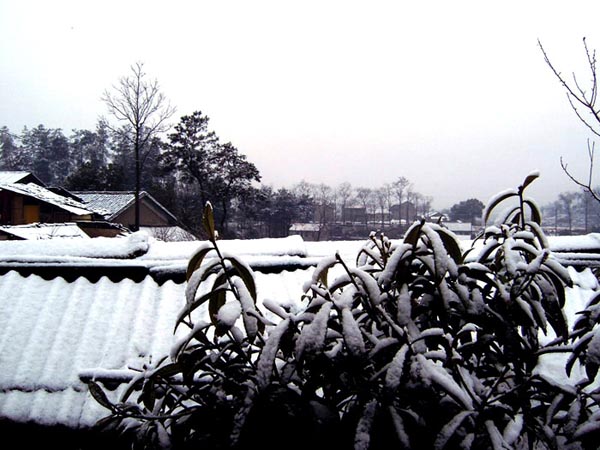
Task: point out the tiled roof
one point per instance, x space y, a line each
109 203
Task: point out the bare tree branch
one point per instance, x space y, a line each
145 110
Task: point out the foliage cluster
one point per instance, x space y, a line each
418 346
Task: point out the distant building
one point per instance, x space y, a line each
403 211
354 214
310 231
324 214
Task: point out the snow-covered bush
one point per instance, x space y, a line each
417 346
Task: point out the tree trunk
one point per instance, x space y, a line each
137 181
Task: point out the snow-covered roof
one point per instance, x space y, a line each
112 203
43 194
298 227
169 233
15 176
55 334
39 231
457 227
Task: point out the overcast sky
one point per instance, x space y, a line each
453 95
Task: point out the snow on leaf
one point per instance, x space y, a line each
320 272
352 334
248 308
398 423
312 336
496 438
404 306
438 375
591 426
495 201
229 313
449 429
266 360
198 277
275 308
392 265
196 259
362 438
513 429
369 283
395 369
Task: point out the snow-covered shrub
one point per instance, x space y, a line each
417 346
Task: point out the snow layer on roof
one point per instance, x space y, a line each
12 176
107 203
40 193
39 231
74 250
289 246
575 243
169 234
53 332
305 227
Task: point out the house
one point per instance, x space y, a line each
118 207
406 211
23 203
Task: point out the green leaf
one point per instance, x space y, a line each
451 244
214 304
412 235
245 273
99 395
197 302
196 259
536 214
536 229
208 221
168 370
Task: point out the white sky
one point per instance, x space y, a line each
453 95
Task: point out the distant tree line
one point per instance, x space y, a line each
573 212
190 166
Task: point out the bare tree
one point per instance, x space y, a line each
344 192
381 197
364 196
567 199
583 102
139 103
400 186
